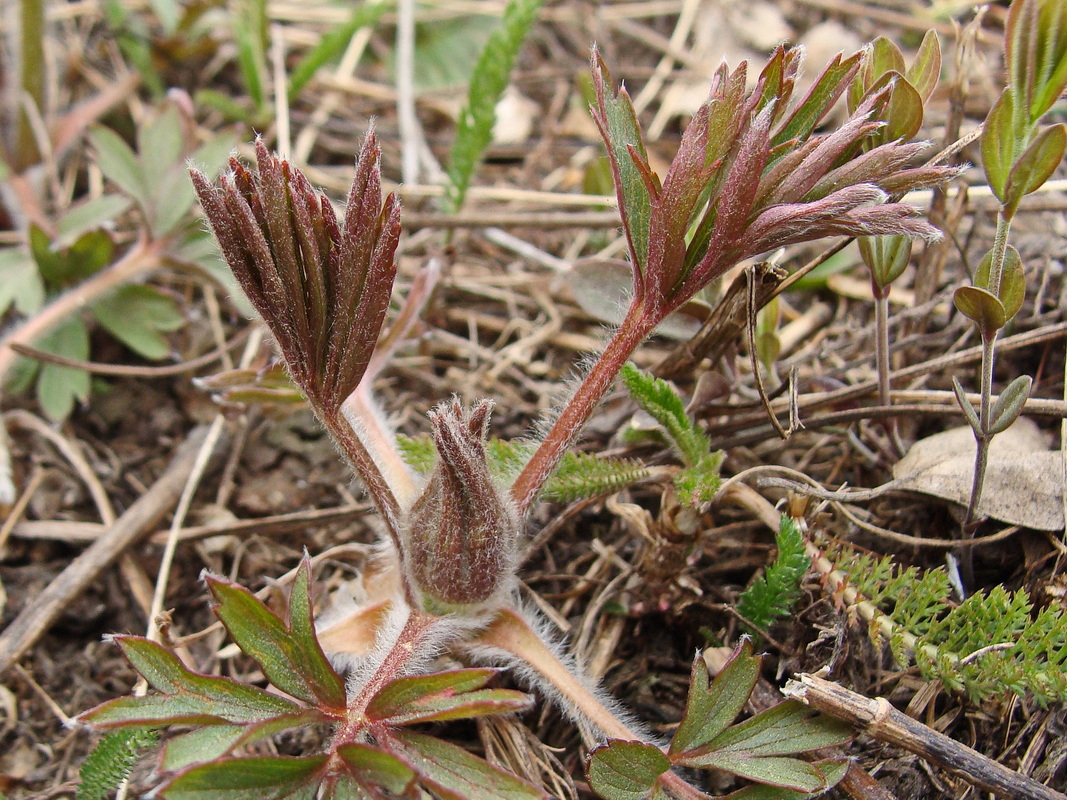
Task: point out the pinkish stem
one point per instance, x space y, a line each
568 425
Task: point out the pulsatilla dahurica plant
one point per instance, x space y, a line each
751 174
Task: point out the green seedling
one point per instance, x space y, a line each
1018 156
752 174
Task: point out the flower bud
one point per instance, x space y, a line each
461 532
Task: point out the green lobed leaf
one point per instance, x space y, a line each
368 764
1010 404
833 771
713 705
786 729
623 770
22 285
213 741
59 387
289 654
332 44
187 696
1036 165
581 475
474 130
89 215
1000 142
261 778
119 164
788 773
698 484
160 145
451 773
136 315
89 253
458 694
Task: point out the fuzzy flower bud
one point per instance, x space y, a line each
461 532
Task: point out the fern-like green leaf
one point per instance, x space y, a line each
110 761
773 595
990 645
474 130
699 481
582 475
578 476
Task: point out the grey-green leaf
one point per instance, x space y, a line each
1010 404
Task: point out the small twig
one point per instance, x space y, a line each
879 719
131 371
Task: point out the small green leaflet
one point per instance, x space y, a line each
772 595
459 694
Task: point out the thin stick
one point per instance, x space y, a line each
879 719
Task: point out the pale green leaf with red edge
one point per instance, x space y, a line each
442 696
262 778
623 770
711 707
618 125
187 696
451 773
367 764
1036 165
289 654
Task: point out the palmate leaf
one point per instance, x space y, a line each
289 653
459 694
136 316
760 748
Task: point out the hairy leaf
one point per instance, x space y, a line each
136 316
713 705
187 696
474 130
773 595
110 761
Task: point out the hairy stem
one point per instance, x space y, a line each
394 665
510 633
568 425
362 462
